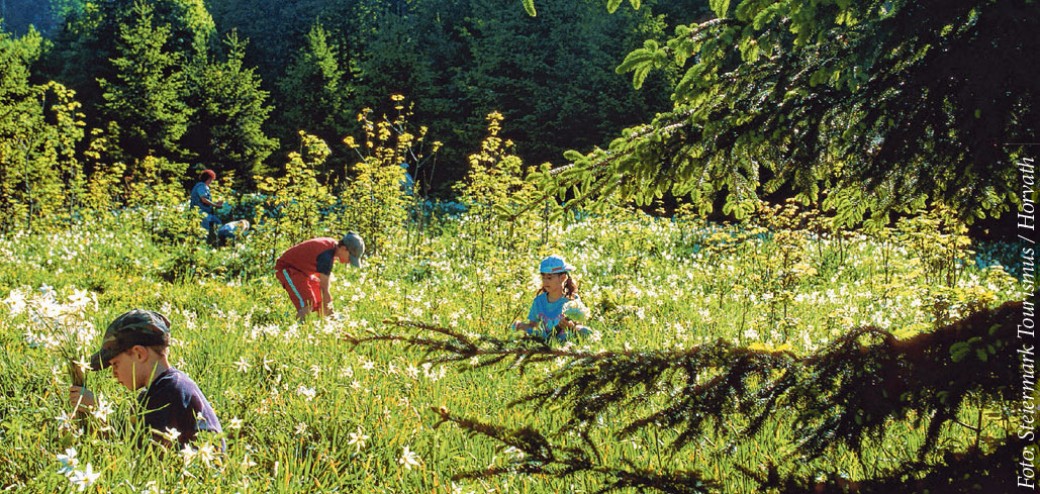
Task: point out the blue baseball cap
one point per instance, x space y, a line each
554 265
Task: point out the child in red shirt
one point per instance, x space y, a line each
305 268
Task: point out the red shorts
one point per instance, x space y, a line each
304 290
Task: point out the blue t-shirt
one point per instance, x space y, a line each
173 400
547 314
198 192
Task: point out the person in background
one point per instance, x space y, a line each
203 201
232 230
557 309
136 347
304 271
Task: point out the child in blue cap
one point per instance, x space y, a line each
557 309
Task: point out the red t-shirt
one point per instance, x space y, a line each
311 256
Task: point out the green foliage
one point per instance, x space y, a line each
447 57
155 187
41 178
231 109
91 36
145 95
295 200
835 100
45 16
312 94
941 244
529 7
555 92
104 186
375 197
492 190
719 7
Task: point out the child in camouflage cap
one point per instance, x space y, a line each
135 345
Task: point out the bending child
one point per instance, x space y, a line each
305 268
557 309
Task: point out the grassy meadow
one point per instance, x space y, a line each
305 411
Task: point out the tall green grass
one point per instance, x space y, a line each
296 400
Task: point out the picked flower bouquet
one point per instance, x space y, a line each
576 311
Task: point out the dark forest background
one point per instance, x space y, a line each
231 83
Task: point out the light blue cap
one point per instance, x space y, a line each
553 265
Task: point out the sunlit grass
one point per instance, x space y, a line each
304 411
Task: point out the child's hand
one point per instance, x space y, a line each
81 398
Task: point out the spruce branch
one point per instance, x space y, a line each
846 393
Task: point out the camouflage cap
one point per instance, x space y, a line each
135 327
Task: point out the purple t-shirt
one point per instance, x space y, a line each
173 400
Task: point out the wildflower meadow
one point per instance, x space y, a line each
305 410
803 236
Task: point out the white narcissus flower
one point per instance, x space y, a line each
247 463
207 454
68 461
152 487
409 459
188 454
16 302
83 365
308 393
171 434
358 439
65 423
103 409
84 478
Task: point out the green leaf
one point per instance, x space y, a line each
692 76
959 350
635 4
612 5
529 7
639 76
766 16
720 7
573 156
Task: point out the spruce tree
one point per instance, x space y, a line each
312 93
865 107
230 111
145 96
